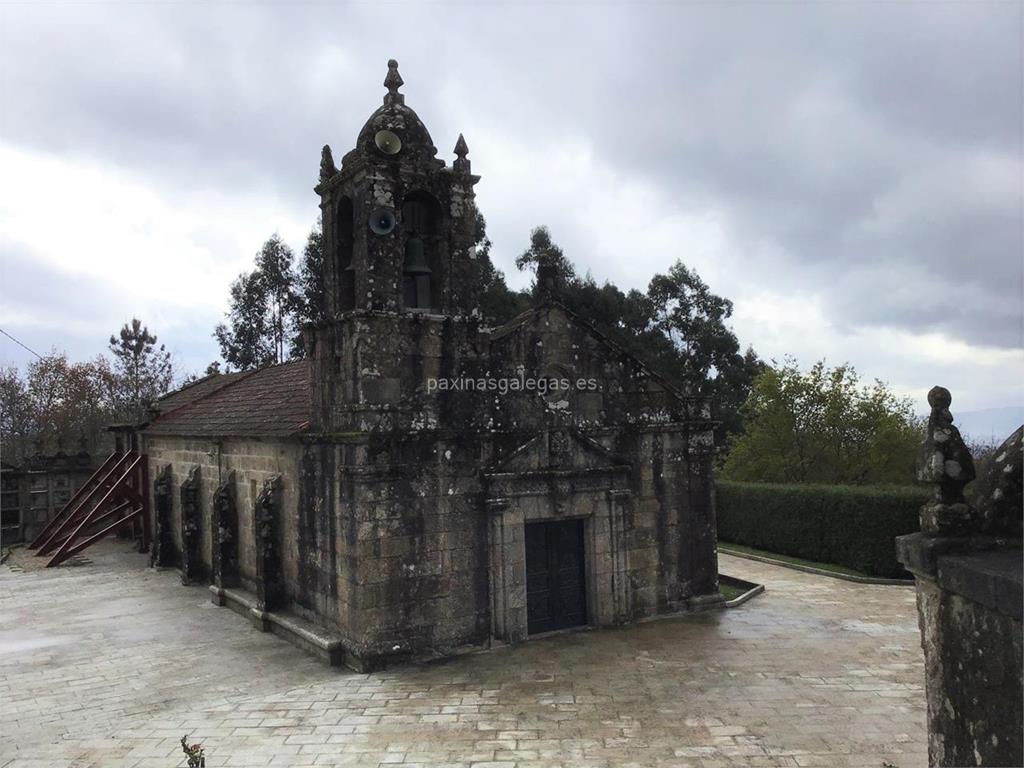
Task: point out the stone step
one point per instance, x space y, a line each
311 637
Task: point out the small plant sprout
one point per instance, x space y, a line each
194 753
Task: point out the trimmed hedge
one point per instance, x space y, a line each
853 526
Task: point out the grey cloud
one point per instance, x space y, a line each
800 121
77 314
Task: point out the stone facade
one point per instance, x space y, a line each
395 518
967 564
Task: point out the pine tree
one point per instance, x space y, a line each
143 371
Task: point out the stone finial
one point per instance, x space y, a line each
393 82
461 163
327 166
946 463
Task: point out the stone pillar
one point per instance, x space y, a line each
191 529
622 609
508 571
162 551
968 571
225 537
699 565
269 579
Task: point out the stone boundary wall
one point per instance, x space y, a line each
968 564
970 606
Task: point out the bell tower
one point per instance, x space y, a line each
399 268
398 224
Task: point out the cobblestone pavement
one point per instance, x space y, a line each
109 663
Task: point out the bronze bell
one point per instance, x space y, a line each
415 258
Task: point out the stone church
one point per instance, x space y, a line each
424 482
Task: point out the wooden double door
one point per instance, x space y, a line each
555 576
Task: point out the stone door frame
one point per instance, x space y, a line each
606 556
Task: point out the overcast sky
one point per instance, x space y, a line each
849 174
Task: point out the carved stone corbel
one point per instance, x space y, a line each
191 529
225 534
269 579
162 551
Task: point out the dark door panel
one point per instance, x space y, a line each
538 577
555 582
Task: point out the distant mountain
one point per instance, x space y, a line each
989 425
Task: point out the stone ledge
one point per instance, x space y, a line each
983 569
920 553
992 579
316 640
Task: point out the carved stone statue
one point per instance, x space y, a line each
1000 489
946 463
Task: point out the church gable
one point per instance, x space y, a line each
599 383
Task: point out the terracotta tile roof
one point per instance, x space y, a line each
197 389
268 402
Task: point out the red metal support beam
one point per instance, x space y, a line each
95 479
118 487
85 506
115 510
129 518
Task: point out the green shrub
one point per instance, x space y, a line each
853 526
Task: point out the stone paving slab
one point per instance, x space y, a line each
109 664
